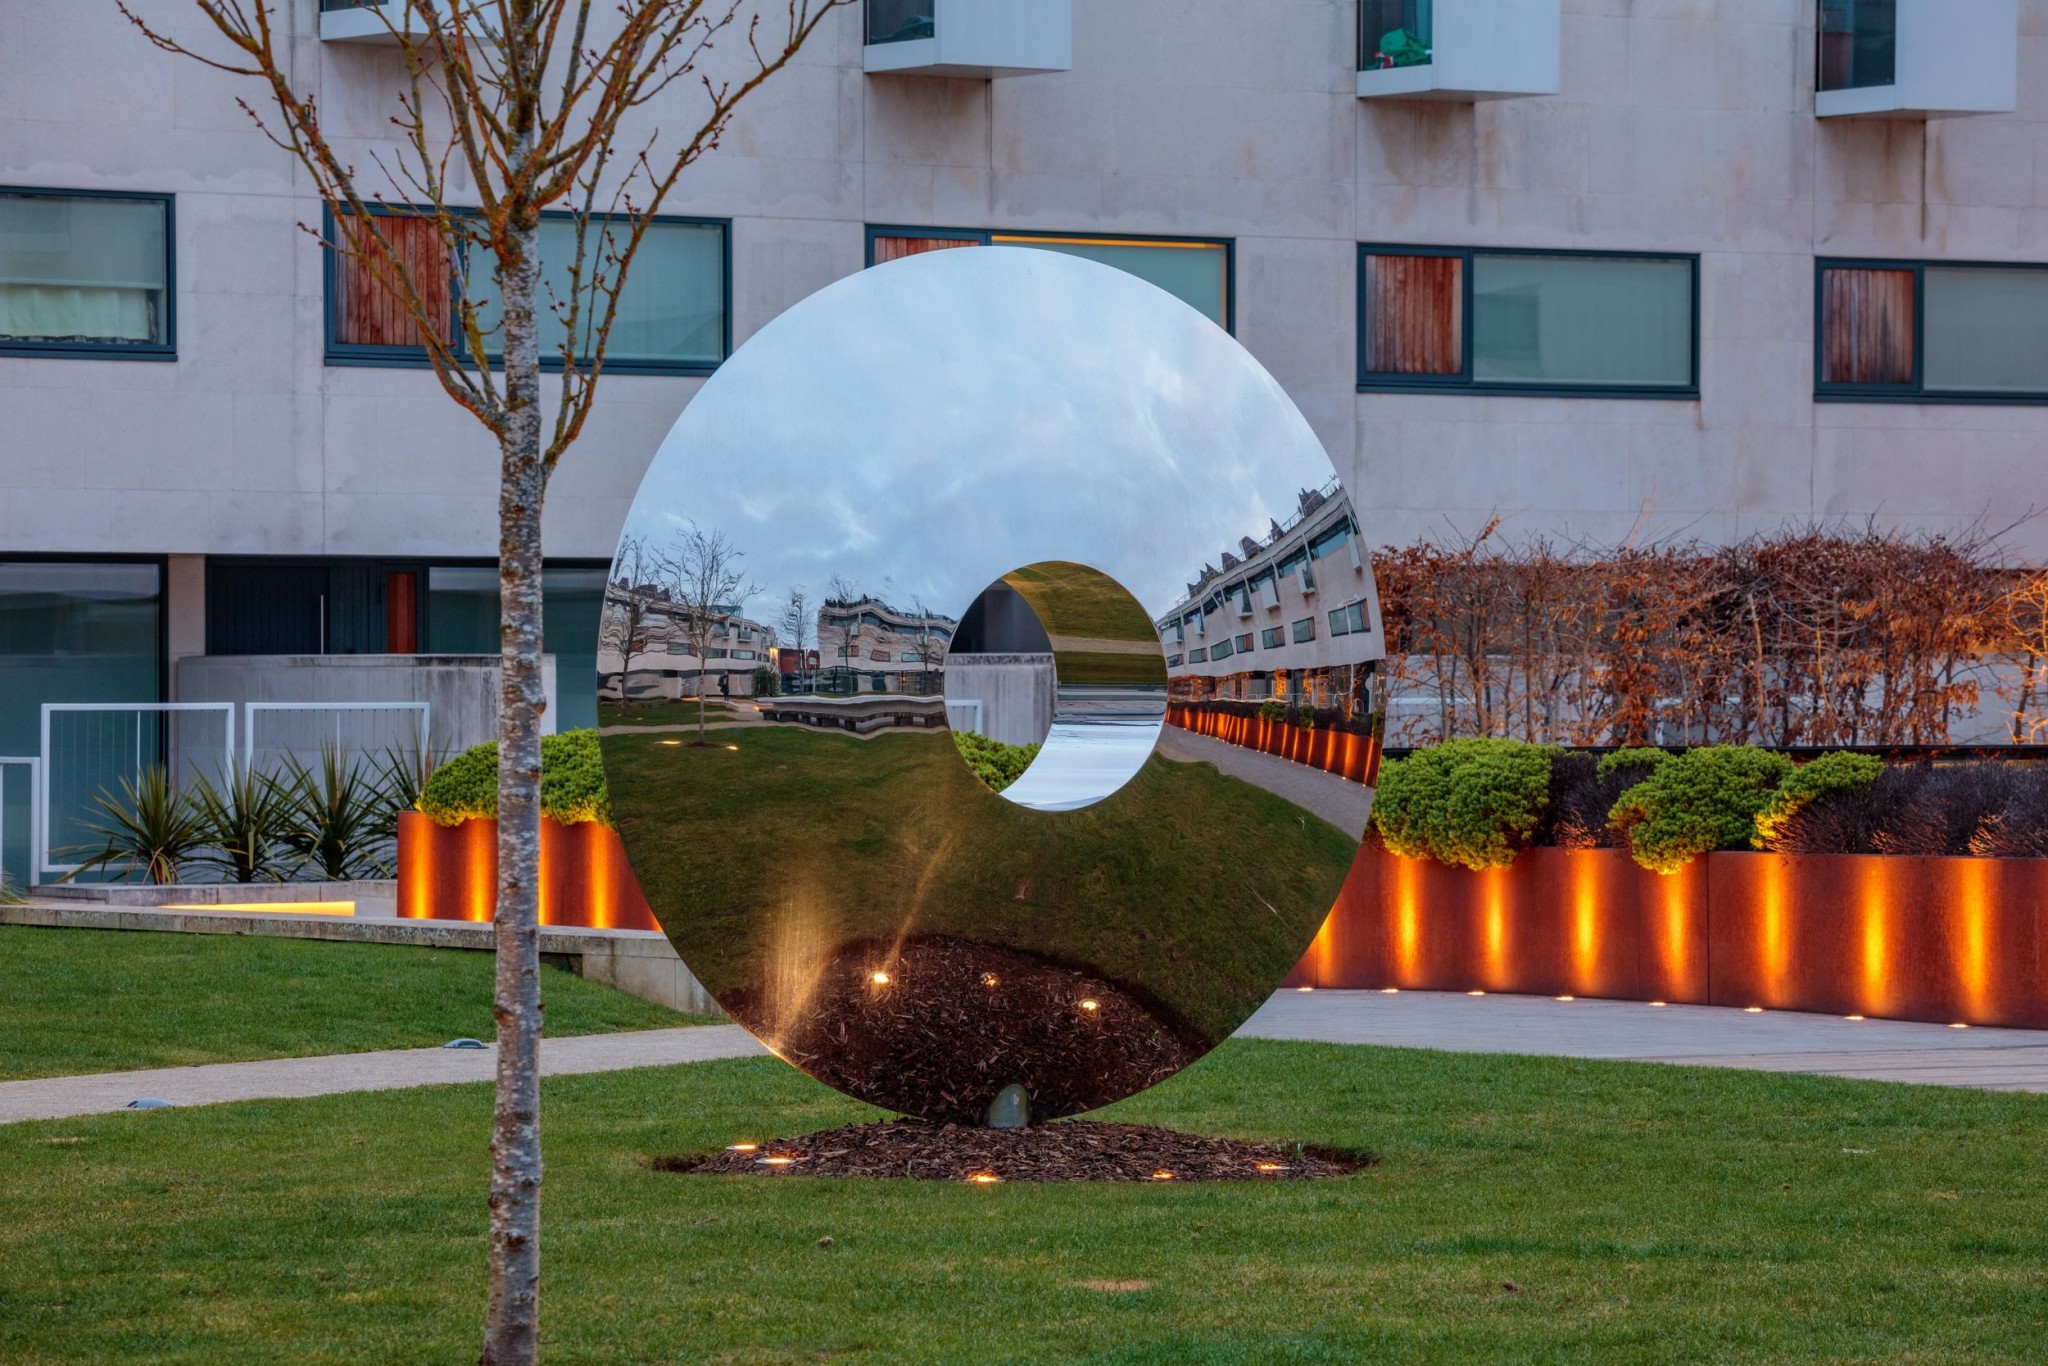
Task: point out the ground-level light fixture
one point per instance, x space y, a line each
984 1179
1304 988
1659 1005
1475 993
1091 1006
879 978
1567 998
742 1147
777 1160
1272 1166
990 980
1162 1175
1752 1010
1857 1019
671 742
1958 1025
1390 991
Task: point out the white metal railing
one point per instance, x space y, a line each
32 766
340 711
149 745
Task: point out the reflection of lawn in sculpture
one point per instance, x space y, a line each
1197 889
666 712
1073 600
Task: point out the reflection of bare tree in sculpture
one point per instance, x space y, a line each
706 578
931 646
841 593
631 627
796 627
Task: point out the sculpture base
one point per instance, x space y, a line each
1071 1150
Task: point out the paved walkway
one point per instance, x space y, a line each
293 1078
1708 1036
1878 1050
1343 804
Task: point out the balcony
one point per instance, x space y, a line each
1457 50
1916 59
386 21
971 38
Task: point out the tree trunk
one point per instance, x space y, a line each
511 1330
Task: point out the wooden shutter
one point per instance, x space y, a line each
1414 315
896 248
367 306
1866 326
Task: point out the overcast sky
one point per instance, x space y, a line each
926 426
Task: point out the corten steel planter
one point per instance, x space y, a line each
1345 753
1942 939
451 873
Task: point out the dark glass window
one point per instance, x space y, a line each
1932 331
86 274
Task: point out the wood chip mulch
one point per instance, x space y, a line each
1072 1150
937 1026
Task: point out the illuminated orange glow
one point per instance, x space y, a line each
1958 1025
1304 988
1585 924
1857 1018
1272 1167
1494 885
1776 946
1390 991
269 907
1675 953
990 980
985 1178
482 857
1407 920
1567 998
1873 914
1973 959
1091 1006
671 742
1752 1010
1162 1175
880 979
742 1147
1475 993
1658 1004
777 1161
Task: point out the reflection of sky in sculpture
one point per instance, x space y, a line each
923 427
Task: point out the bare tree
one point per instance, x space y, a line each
708 588
931 646
632 622
508 108
797 627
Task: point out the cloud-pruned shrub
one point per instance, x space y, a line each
572 786
1469 803
1811 782
1698 802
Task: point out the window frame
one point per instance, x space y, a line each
340 354
986 237
167 349
1380 382
1915 391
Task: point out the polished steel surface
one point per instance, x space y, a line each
932 435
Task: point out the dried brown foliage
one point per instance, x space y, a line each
1803 637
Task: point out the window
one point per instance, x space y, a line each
86 274
1347 621
1198 656
900 21
1931 331
1304 630
673 318
1859 44
742 654
1529 322
1173 661
1272 638
462 618
910 657
1244 642
1222 649
1395 33
1195 271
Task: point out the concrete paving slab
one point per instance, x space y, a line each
292 1078
1708 1036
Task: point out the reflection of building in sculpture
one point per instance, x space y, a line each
867 646
649 647
1293 615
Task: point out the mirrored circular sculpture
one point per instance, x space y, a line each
964 670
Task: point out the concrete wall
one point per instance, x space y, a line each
1017 693
1681 124
461 692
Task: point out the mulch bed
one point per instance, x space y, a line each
956 1021
1074 1150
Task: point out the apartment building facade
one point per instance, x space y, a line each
1600 267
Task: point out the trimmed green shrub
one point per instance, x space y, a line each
1470 803
994 762
1632 762
1698 802
1830 773
1273 709
572 787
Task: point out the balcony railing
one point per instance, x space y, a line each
1395 33
1859 44
901 21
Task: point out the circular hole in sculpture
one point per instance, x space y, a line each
1055 686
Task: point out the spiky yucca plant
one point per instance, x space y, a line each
151 829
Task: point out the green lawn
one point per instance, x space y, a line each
665 713
1074 600
75 1001
1524 1210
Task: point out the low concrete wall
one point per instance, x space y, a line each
1017 692
639 962
460 690
373 899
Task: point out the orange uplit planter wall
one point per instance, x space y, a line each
1942 939
451 873
1345 753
